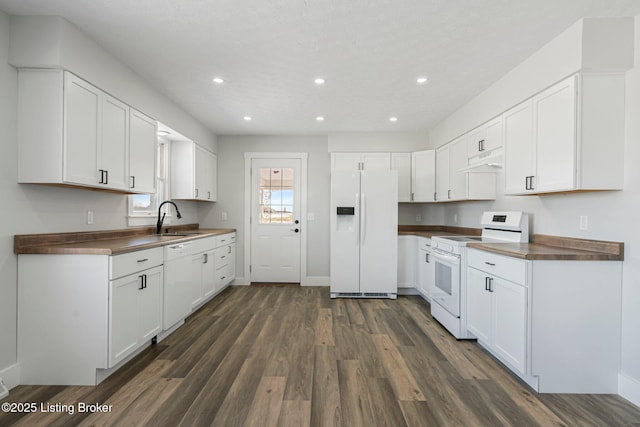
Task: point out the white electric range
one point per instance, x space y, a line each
448 301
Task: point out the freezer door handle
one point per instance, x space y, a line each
363 218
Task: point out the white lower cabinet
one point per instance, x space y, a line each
213 266
496 315
426 267
555 323
135 312
406 261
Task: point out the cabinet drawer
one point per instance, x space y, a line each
424 243
223 256
225 239
203 245
512 269
132 262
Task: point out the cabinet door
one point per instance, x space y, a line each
406 261
197 272
345 161
458 159
493 134
143 141
209 274
475 141
376 161
150 305
123 317
114 143
519 162
401 162
426 273
201 173
423 175
442 174
212 177
555 137
81 128
509 322
479 305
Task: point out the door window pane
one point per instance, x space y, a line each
276 196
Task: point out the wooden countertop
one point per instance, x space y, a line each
109 242
436 230
557 248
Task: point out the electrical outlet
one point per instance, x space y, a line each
584 222
223 216
89 217
418 217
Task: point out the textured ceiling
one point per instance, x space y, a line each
369 51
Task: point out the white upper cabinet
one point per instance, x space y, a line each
360 161
143 148
442 173
569 137
72 133
423 176
484 140
193 172
401 162
457 178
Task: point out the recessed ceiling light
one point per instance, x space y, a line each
320 118
422 80
247 118
218 80
163 133
319 81
393 119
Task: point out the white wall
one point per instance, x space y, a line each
611 215
30 209
231 184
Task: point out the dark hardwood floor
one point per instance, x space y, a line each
291 356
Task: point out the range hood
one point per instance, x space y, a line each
490 162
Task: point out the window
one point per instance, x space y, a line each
276 195
143 208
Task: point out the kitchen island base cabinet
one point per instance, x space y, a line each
555 323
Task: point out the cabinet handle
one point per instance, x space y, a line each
526 183
229 247
206 258
106 173
412 197
531 182
481 145
209 195
133 181
143 260
435 195
101 176
223 257
223 277
490 263
486 283
141 282
490 284
426 258
448 194
196 192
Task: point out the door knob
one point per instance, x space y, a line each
297 230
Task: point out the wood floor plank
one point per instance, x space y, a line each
217 369
399 375
265 409
325 406
324 328
295 413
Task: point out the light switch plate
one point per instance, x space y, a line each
311 216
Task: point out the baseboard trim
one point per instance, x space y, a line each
408 291
11 376
315 281
629 388
240 281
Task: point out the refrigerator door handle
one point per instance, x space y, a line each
363 218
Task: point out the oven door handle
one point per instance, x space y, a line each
443 256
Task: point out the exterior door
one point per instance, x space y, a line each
275 220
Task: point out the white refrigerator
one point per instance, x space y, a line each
364 234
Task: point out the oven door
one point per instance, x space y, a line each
447 287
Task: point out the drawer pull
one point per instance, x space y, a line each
490 263
223 257
143 260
